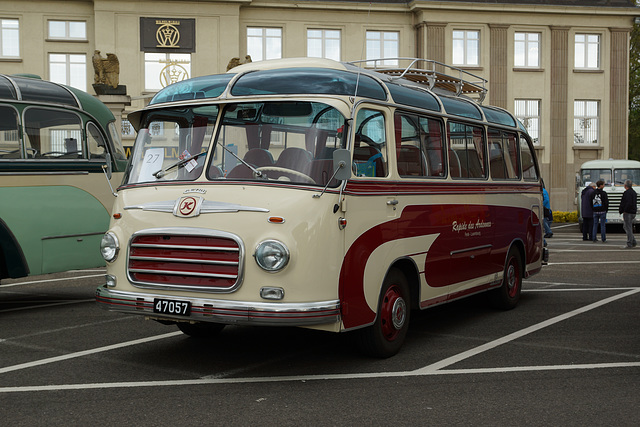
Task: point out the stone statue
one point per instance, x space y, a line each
236 61
106 70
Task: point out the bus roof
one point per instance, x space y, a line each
31 88
611 164
422 84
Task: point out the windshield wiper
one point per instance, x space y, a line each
255 171
180 163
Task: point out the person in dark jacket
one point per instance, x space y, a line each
587 211
600 205
628 208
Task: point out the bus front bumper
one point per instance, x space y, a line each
222 311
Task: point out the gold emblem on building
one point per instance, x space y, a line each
167 34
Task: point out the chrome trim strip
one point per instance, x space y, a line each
221 311
199 248
185 260
207 206
184 273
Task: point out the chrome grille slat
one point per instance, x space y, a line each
191 259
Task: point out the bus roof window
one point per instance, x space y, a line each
6 89
500 117
196 88
43 91
460 108
414 98
309 81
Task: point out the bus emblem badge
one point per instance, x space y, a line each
188 206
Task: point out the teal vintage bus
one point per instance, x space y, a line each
58 147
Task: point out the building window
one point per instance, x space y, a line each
527 50
323 44
68 30
68 69
587 51
264 43
383 44
163 69
466 48
586 122
528 112
9 38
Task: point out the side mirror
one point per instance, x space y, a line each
108 167
342 164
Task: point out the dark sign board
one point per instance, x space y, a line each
167 35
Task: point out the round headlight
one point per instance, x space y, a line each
109 246
272 255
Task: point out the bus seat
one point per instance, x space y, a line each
410 161
258 157
369 161
295 158
240 171
321 171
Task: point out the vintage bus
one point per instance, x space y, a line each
325 195
614 173
57 147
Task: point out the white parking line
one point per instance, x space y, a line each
49 280
433 369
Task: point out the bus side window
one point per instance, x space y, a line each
466 151
503 155
9 140
370 145
53 134
95 141
528 166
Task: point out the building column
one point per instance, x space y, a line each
619 94
558 114
435 41
498 65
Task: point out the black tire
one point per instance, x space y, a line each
385 337
507 295
200 330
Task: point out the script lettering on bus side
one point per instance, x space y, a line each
470 228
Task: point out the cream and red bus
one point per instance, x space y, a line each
325 195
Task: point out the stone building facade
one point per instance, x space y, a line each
561 66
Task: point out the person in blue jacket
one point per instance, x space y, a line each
548 215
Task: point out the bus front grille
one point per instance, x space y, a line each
188 262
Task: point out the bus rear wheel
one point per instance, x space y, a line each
507 295
385 337
200 330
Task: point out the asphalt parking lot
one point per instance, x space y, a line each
569 354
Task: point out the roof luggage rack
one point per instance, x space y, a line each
430 73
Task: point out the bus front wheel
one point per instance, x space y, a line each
507 295
385 337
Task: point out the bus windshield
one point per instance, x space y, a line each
593 175
621 175
289 141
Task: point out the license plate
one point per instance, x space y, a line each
167 306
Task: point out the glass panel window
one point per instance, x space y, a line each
528 112
163 69
68 69
383 44
9 38
466 151
370 146
586 122
529 171
264 43
70 30
587 51
96 142
53 134
323 44
503 155
466 47
9 141
527 50
420 151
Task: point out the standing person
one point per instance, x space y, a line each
628 208
587 211
600 204
548 215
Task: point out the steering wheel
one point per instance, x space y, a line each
48 153
284 171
